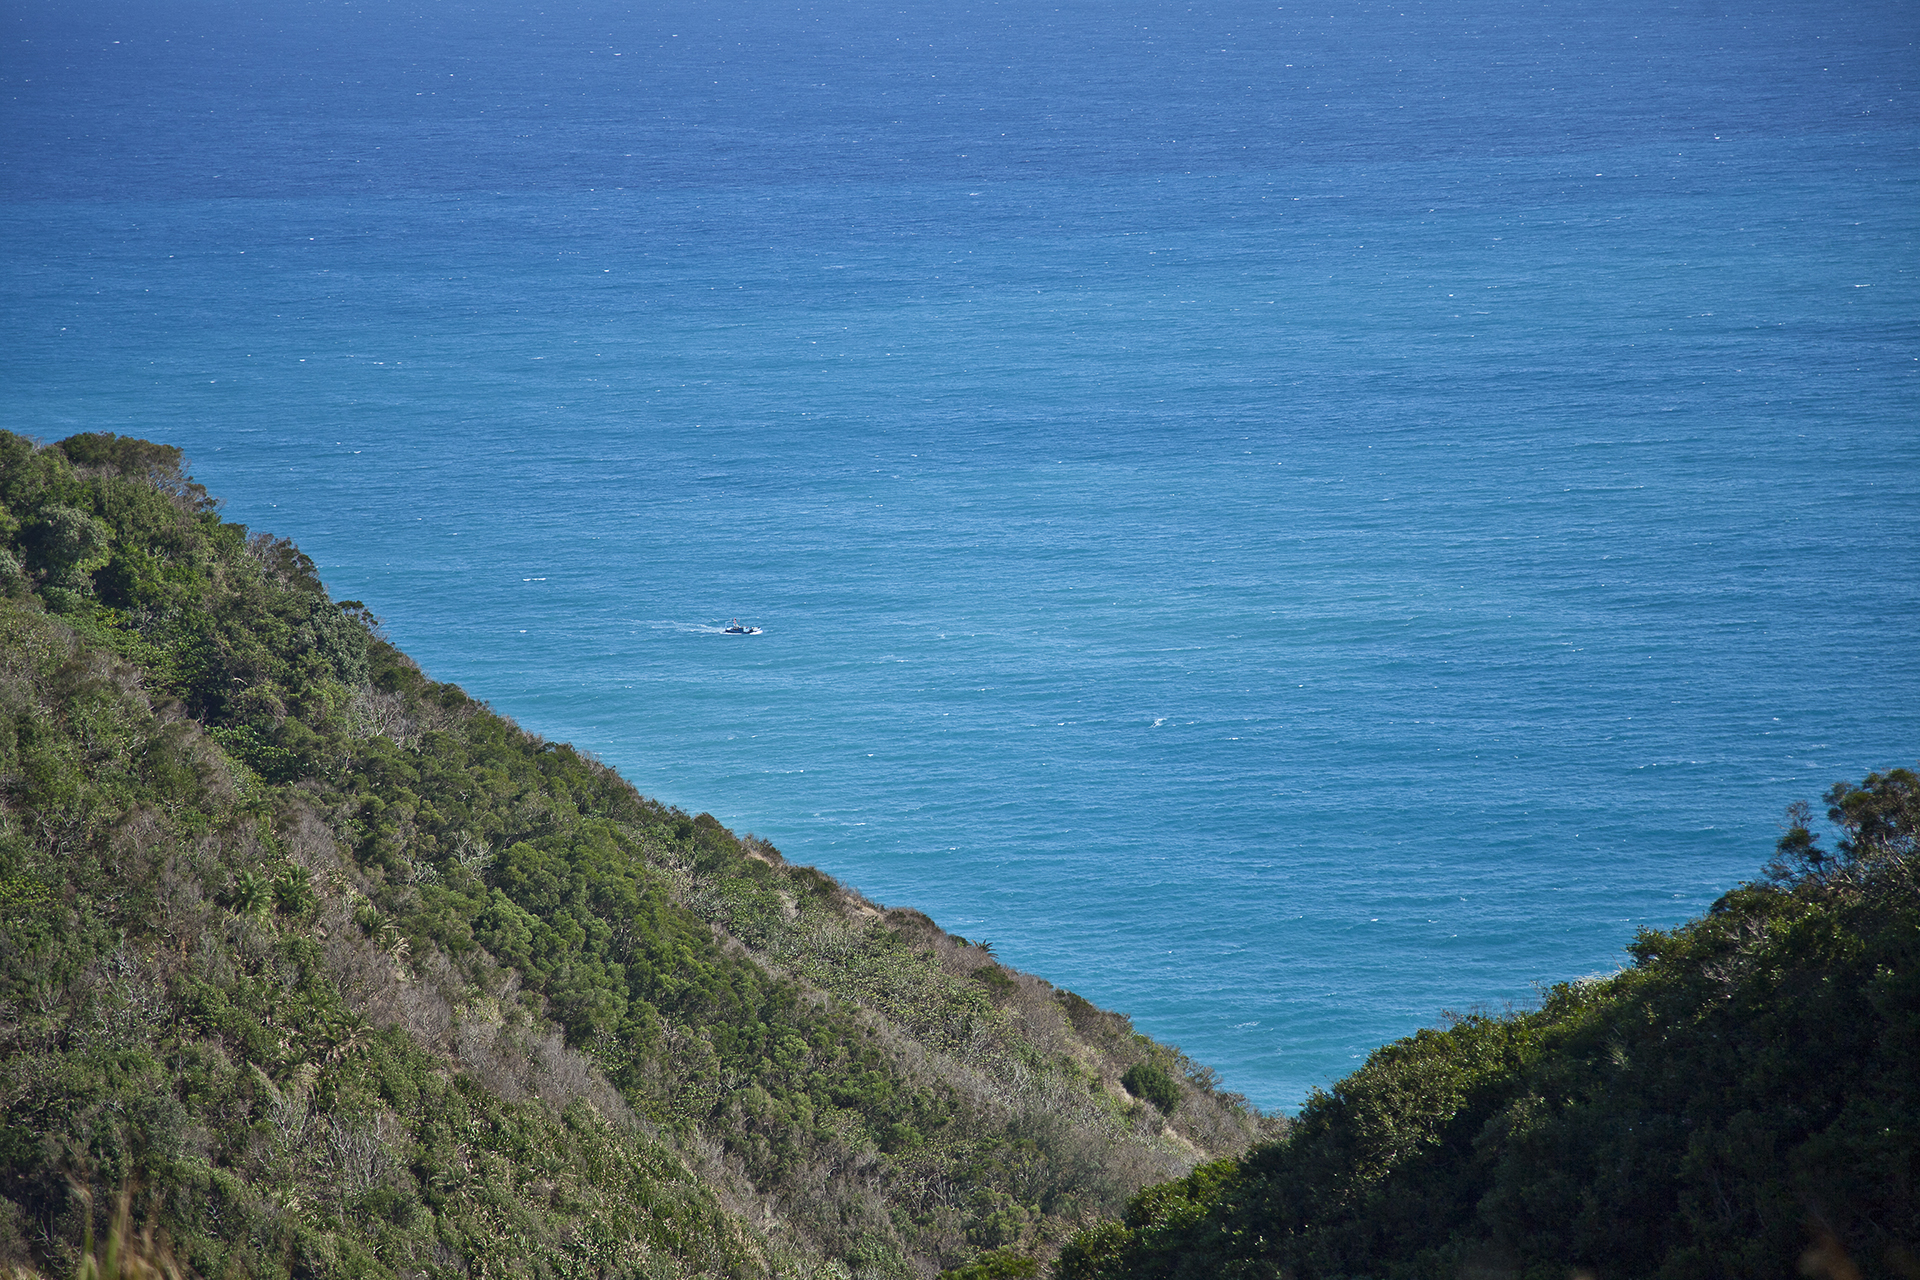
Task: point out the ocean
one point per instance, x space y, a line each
1285 520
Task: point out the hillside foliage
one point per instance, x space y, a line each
340 973
1744 1100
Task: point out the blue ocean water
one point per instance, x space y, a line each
1284 519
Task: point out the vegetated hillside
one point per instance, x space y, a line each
342 974
1743 1101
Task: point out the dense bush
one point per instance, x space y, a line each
1149 1081
1743 1093
996 1265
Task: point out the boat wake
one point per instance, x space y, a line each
694 628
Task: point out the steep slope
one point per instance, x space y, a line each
345 974
1745 1097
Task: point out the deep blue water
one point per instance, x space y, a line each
1285 520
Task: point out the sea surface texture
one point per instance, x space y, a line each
1284 519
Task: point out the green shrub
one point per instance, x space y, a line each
1001 1264
1151 1082
995 980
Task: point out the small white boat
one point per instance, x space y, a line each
737 630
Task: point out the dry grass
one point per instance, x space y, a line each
125 1254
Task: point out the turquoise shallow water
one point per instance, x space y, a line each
1283 550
